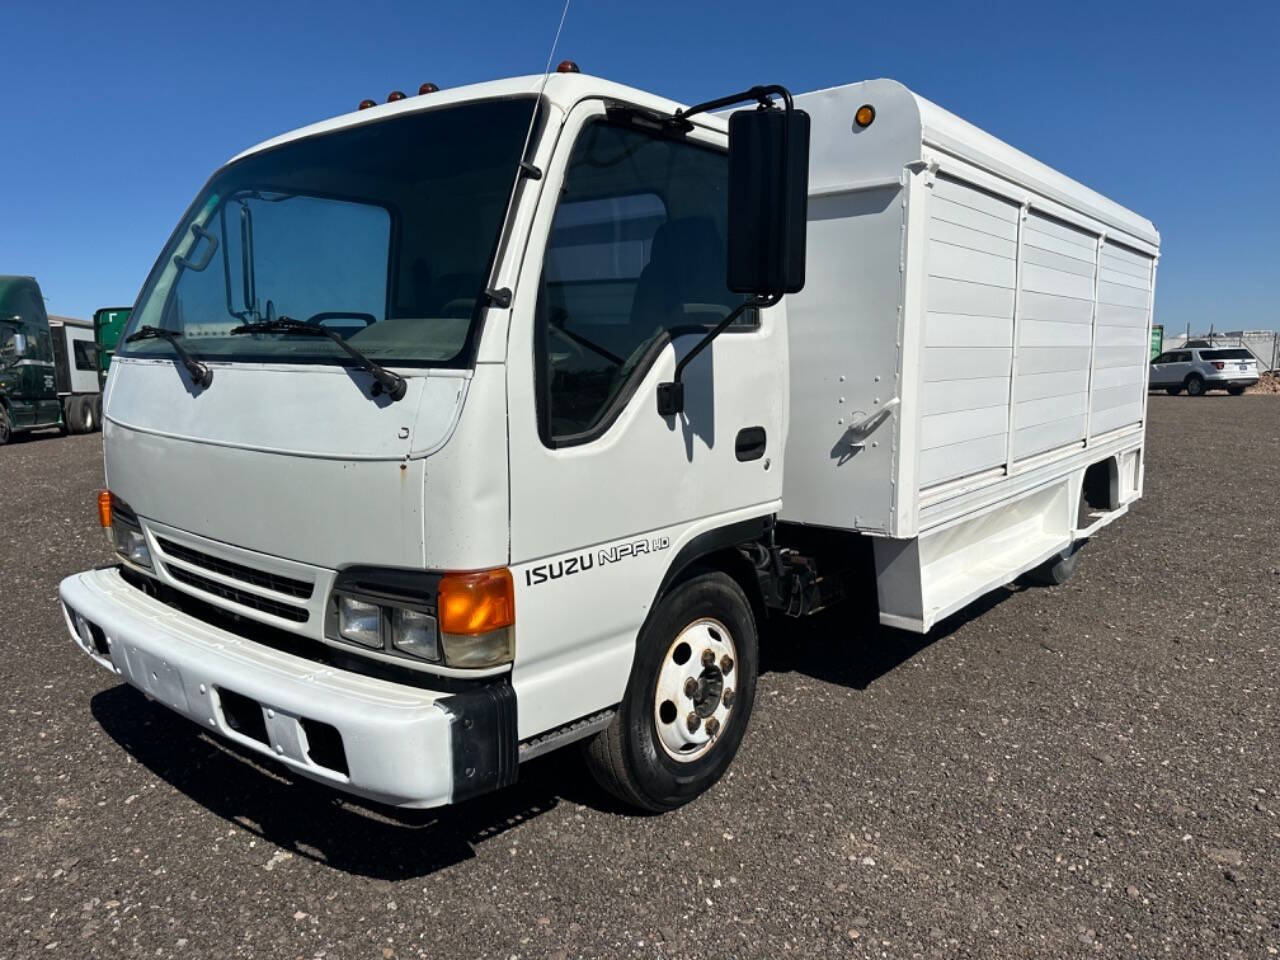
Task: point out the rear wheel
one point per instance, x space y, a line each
1173 391
97 411
687 703
1195 385
1058 569
6 427
1235 391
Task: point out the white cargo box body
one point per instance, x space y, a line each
973 335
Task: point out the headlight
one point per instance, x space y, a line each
360 622
414 632
464 620
131 544
123 530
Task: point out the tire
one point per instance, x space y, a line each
78 414
1236 391
97 411
648 757
1057 570
6 425
1173 391
1195 385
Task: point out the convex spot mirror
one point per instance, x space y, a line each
768 200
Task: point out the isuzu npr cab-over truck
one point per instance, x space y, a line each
424 458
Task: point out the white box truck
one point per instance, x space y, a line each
464 427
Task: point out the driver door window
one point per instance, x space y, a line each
636 256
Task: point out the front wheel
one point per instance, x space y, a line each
1173 391
692 686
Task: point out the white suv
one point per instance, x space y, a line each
1197 369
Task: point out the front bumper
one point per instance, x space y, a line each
399 744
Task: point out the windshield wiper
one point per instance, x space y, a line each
391 383
200 373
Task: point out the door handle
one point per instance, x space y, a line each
750 444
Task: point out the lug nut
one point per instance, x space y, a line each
690 687
727 698
693 722
708 657
726 664
713 727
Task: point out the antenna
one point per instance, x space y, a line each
493 295
546 75
554 43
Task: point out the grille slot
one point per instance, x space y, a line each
269 581
284 611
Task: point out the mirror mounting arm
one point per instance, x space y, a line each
671 395
761 94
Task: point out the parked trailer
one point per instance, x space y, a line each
48 365
518 442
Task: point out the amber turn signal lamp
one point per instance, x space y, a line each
472 603
104 508
865 115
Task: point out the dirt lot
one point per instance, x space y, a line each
1087 771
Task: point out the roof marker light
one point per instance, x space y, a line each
567 66
395 95
427 88
366 104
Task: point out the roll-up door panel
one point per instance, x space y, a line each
971 262
1055 330
1122 338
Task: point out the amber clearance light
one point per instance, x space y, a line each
104 508
865 115
477 613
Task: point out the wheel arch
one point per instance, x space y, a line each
717 549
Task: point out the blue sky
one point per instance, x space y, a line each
115 114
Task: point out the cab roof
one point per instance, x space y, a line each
562 91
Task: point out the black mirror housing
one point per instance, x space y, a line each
768 200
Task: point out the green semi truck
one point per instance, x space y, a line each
48 365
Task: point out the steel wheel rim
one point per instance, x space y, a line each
697 687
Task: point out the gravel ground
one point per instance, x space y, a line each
1091 770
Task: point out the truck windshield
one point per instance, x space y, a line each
384 232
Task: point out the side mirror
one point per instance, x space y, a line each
768 200
16 346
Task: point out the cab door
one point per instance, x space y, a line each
624 273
